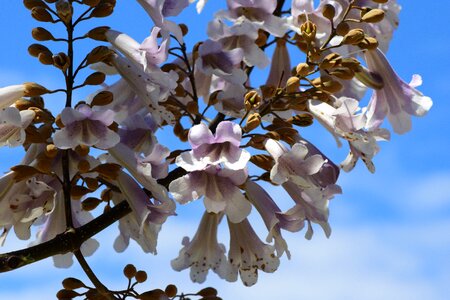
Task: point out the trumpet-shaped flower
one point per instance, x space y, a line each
248 253
83 126
13 124
208 149
397 100
203 252
219 188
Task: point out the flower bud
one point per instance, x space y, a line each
308 30
59 122
129 271
83 166
292 85
207 292
78 191
61 61
45 58
98 54
64 10
252 100
263 161
184 29
35 49
66 294
95 78
91 183
30 4
192 107
98 33
353 37
82 150
342 73
91 3
102 98
303 69
302 120
261 40
253 121
171 291
329 11
44 165
141 276
33 89
72 283
102 10
329 85
342 29
50 151
41 14
369 43
41 34
373 16
90 203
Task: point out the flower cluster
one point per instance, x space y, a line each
240 136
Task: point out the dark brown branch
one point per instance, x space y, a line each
68 241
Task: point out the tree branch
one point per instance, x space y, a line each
68 241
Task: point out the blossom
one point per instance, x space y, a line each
280 69
214 60
241 35
12 93
293 165
208 149
248 253
203 252
271 215
83 126
219 188
346 122
397 100
13 124
144 223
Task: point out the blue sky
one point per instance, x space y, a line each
390 229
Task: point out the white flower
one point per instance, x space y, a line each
219 188
13 124
397 100
208 149
203 252
248 254
86 127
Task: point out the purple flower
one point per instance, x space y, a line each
219 188
13 124
86 127
208 149
397 100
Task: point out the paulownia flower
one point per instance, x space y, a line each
203 252
219 188
397 100
208 149
13 124
248 253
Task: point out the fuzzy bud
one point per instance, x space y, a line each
30 4
253 121
342 29
64 10
98 54
102 98
171 290
373 16
41 14
33 89
41 34
91 3
102 10
292 85
95 78
72 283
61 61
36 49
354 37
303 69
329 11
98 33
252 100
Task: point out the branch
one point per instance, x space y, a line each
68 241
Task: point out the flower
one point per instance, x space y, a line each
13 124
86 127
280 69
219 188
397 100
248 254
10 94
203 252
208 149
